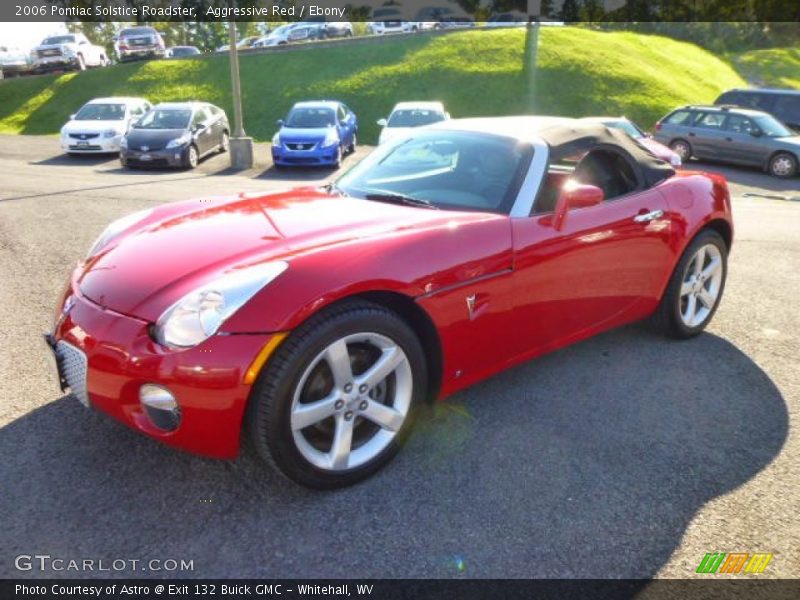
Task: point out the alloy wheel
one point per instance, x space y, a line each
782 166
351 401
702 282
681 149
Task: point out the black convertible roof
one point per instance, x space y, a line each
568 137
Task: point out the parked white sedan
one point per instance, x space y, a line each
407 115
100 124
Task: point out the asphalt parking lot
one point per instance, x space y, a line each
624 456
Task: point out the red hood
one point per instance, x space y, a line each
180 247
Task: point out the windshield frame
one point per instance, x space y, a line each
77 116
526 177
298 109
139 127
413 110
773 121
67 38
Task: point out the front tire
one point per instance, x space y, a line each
225 142
192 157
696 287
783 165
351 149
81 66
337 400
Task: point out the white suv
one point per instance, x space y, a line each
100 124
68 51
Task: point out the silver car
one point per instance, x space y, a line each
733 135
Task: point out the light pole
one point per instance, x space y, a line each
241 145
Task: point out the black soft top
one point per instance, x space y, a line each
566 140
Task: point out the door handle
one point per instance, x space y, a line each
728 139
650 216
691 134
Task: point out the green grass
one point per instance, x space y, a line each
778 67
580 72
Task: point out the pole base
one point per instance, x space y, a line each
241 152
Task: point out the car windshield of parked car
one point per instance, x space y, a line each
771 127
182 51
628 127
310 118
101 112
443 169
165 119
414 118
59 39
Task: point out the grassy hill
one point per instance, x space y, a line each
580 72
779 67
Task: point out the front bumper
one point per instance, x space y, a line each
98 145
120 357
140 53
319 156
55 63
174 157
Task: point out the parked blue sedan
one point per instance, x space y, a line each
315 134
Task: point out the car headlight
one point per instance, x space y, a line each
110 133
115 229
276 139
181 141
200 313
331 138
67 51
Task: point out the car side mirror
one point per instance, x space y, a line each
279 122
382 122
756 132
72 116
575 195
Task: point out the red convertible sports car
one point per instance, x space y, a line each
317 319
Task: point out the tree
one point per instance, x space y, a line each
570 10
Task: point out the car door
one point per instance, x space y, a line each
202 133
707 136
604 267
215 125
743 142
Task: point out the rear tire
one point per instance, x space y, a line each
360 422
682 148
695 288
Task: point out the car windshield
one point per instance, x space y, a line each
772 127
165 118
59 39
101 112
414 117
183 51
310 118
452 170
628 127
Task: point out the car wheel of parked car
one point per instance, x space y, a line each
339 154
783 164
225 142
351 149
695 289
192 157
337 400
682 148
81 63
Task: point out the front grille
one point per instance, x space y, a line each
73 368
49 52
86 147
391 23
302 161
155 162
298 146
84 136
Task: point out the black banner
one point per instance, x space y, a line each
446 13
539 589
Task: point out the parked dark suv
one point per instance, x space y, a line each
784 105
733 135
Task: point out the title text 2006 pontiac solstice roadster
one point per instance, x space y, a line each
317 319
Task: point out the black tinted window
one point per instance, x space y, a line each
787 108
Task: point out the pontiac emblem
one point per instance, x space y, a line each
145 148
